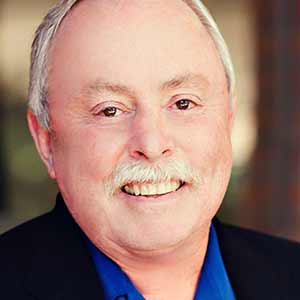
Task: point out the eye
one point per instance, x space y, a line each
185 104
110 112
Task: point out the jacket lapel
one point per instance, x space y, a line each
61 268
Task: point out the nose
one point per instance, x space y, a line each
150 139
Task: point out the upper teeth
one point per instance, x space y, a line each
146 189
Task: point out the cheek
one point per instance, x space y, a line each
206 142
91 153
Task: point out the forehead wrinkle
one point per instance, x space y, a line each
186 80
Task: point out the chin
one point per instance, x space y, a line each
161 233
155 241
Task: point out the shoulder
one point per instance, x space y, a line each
46 257
42 233
23 236
260 262
17 249
233 237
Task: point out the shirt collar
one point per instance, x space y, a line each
214 283
114 281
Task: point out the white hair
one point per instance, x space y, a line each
138 171
38 85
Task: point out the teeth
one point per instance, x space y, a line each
147 189
136 190
127 189
144 189
174 185
161 188
152 189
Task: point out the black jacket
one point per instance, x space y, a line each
46 259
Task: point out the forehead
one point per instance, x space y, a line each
156 40
130 11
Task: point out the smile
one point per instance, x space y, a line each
152 189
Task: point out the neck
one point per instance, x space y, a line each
171 273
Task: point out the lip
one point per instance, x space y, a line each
165 198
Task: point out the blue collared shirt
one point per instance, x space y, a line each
214 283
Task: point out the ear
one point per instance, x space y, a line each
233 110
42 139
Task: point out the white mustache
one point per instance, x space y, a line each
138 171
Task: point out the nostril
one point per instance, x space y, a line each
140 153
167 152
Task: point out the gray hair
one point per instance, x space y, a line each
38 86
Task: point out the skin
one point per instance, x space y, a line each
139 45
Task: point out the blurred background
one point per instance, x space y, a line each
264 40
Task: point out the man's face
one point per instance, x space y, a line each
138 82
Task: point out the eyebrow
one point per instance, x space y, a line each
100 86
187 80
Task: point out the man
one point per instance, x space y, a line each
131 109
